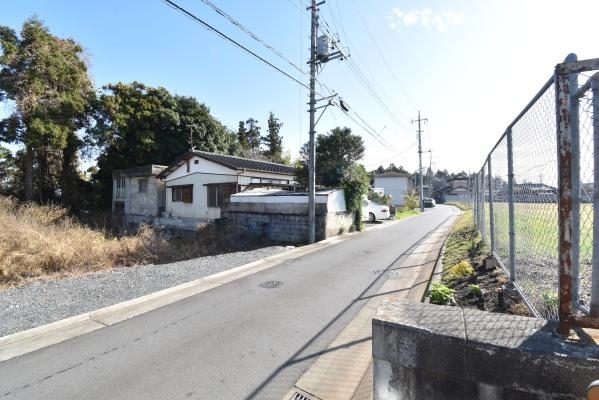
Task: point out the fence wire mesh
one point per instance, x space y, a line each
535 204
587 186
499 191
531 145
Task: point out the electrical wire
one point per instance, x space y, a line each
393 156
222 35
381 54
251 34
362 123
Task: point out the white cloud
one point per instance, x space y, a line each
426 18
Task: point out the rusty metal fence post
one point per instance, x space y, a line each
575 132
564 161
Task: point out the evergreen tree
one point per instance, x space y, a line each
335 152
273 141
242 136
139 124
253 135
48 81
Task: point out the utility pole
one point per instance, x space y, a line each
322 50
312 146
420 158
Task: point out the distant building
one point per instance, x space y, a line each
458 190
395 184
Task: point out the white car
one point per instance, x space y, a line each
372 211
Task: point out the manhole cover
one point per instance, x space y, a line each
271 284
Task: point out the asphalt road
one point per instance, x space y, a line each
251 338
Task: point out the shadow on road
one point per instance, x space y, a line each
296 358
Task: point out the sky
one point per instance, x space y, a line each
466 66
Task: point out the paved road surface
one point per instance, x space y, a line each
251 338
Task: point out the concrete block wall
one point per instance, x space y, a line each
424 351
289 227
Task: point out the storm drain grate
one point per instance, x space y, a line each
299 394
271 284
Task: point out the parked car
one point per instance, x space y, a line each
372 211
429 202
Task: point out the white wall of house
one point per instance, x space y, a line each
396 186
200 172
198 208
197 164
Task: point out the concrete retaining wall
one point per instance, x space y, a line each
423 351
287 222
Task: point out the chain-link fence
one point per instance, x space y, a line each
534 196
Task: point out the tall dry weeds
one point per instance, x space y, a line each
38 241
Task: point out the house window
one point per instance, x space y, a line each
196 161
182 194
219 195
120 188
142 185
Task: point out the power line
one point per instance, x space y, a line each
381 53
394 155
222 35
251 34
361 77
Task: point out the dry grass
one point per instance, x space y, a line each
39 242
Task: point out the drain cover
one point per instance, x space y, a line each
271 284
298 394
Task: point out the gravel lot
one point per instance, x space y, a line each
47 301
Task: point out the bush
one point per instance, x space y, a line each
460 270
411 200
384 199
441 294
475 290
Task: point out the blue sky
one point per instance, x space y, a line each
468 66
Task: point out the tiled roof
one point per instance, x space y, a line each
235 163
246 163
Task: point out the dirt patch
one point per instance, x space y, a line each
487 290
465 273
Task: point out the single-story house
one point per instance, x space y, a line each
395 184
194 188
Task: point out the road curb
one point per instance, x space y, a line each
33 339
